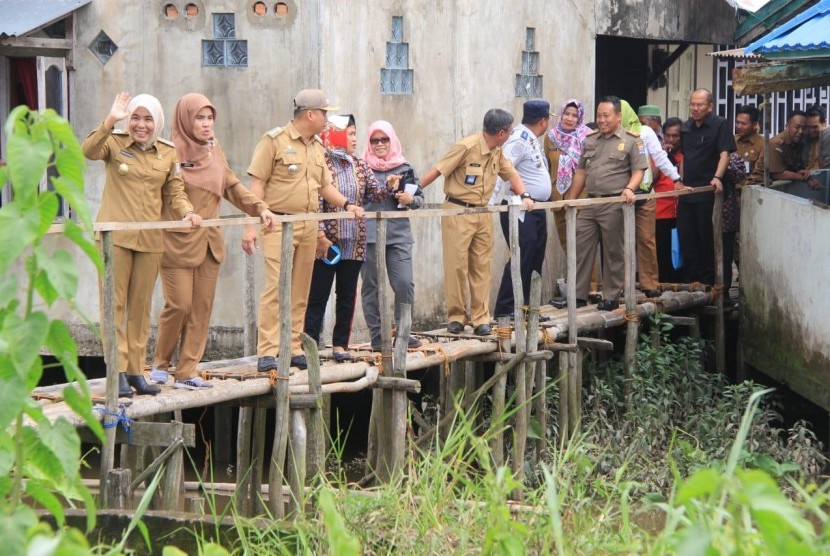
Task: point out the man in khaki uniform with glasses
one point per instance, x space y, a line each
470 169
289 173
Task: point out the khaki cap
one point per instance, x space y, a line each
313 99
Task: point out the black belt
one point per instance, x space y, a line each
455 201
595 196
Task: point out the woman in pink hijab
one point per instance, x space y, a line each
384 155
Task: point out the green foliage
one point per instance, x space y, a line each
40 460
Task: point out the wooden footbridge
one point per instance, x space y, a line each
143 427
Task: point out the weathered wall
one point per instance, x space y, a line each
465 57
709 21
785 327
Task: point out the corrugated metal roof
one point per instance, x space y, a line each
737 53
19 17
809 30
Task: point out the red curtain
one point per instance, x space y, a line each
24 78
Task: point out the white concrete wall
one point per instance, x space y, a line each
465 56
785 327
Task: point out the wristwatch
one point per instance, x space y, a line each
525 195
346 205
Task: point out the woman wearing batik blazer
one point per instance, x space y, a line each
383 154
355 181
190 264
142 177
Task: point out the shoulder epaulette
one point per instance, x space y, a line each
119 132
593 132
166 142
631 133
274 132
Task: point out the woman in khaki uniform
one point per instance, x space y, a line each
142 175
191 259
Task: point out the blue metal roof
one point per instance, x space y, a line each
19 17
809 30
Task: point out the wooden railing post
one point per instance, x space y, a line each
572 389
630 252
519 325
276 476
718 291
110 343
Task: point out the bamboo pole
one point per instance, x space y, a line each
571 388
399 407
630 253
244 493
720 332
295 464
108 327
257 460
281 422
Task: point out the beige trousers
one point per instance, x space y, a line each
135 276
185 319
646 241
468 249
305 244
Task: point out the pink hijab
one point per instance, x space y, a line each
394 158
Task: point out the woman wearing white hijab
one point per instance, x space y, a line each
142 175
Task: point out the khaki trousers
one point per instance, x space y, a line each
185 319
593 223
646 240
561 231
135 276
305 243
468 250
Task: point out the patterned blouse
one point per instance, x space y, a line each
356 181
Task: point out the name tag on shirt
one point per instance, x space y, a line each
126 153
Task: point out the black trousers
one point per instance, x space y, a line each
694 225
347 272
667 272
533 237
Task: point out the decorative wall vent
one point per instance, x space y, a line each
396 78
224 50
529 82
103 48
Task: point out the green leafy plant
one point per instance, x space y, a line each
40 459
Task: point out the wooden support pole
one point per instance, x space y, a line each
244 492
119 495
316 442
296 460
564 398
257 460
498 399
281 421
571 388
720 331
172 484
537 375
399 405
632 326
108 328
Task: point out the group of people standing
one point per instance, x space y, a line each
312 165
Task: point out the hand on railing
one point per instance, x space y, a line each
249 240
356 210
194 219
269 219
528 203
717 183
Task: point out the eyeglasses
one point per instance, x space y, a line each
379 140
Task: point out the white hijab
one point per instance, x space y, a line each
153 106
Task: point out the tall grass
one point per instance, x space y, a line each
679 474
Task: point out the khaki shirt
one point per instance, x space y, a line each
609 161
187 248
782 156
138 183
470 169
751 150
292 170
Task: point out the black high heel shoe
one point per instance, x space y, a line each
141 386
124 390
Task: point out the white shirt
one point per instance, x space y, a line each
655 151
525 152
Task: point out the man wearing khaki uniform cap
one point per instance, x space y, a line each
289 173
612 164
470 169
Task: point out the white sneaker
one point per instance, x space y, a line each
159 376
193 383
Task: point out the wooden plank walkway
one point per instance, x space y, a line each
236 379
